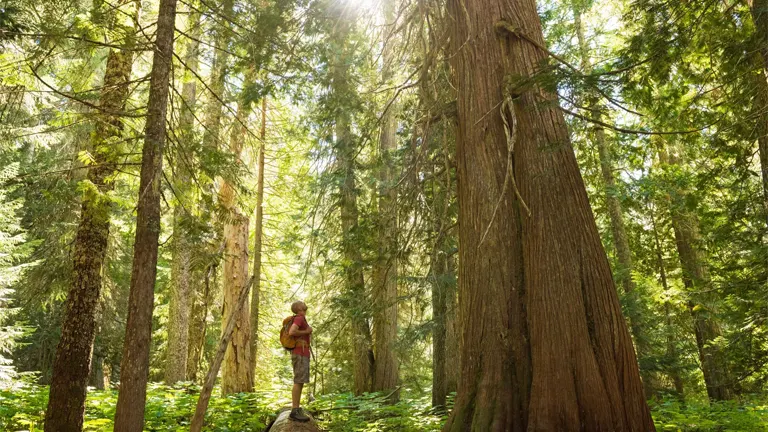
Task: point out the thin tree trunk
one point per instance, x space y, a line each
452 331
236 374
544 345
134 369
439 269
96 378
71 366
443 359
345 151
257 242
181 293
699 286
385 376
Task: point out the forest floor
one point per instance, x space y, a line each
170 408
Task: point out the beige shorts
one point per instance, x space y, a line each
300 368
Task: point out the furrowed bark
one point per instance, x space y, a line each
71 366
236 374
534 281
134 370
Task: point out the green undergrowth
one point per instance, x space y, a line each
674 415
170 409
370 413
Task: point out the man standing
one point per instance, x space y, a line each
300 358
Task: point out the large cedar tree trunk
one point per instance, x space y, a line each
134 369
345 151
384 284
544 345
236 373
181 272
71 366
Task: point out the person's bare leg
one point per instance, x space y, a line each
296 395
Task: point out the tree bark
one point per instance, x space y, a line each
544 345
615 212
701 301
181 293
71 366
385 376
236 371
257 242
134 369
345 151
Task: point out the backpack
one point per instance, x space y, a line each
286 340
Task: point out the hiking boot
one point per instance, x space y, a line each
297 414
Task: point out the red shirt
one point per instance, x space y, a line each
302 348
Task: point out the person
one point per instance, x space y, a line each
301 330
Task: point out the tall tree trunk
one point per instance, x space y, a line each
181 293
71 366
615 213
96 378
345 151
699 286
236 373
544 345
384 286
443 292
257 242
134 369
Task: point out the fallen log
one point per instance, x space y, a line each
283 423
